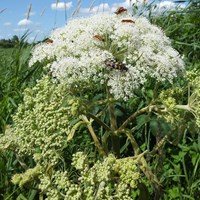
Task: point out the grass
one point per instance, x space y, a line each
15 75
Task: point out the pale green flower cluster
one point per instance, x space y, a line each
173 112
41 123
110 178
58 186
126 167
7 140
115 50
169 99
29 175
79 160
193 77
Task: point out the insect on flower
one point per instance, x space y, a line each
114 64
98 37
48 41
128 21
120 10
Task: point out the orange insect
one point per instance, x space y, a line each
128 21
98 37
120 10
48 41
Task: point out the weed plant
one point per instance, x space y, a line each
174 148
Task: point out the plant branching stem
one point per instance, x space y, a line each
94 137
143 164
135 114
99 121
183 107
113 124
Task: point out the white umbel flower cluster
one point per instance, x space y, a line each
114 49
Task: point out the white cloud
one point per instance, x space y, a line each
24 22
37 31
7 24
30 14
61 6
126 4
20 29
103 7
166 6
129 3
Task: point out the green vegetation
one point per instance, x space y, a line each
60 141
15 75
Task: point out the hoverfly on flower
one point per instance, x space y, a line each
114 64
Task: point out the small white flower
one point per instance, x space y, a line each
77 56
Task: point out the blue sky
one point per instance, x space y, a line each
46 15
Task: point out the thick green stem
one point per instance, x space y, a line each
94 137
133 143
113 124
99 121
183 107
162 142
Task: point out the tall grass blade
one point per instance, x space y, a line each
1 11
91 6
29 11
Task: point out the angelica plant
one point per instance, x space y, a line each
106 78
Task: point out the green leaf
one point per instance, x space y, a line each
141 120
73 130
21 197
174 192
144 193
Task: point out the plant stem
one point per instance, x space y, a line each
135 114
99 121
133 143
144 166
183 107
113 124
94 137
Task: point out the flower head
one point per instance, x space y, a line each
80 51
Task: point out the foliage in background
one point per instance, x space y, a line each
182 26
15 76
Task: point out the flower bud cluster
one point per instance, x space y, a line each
29 175
110 178
58 186
41 123
169 99
107 179
193 77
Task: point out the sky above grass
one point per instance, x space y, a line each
46 15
